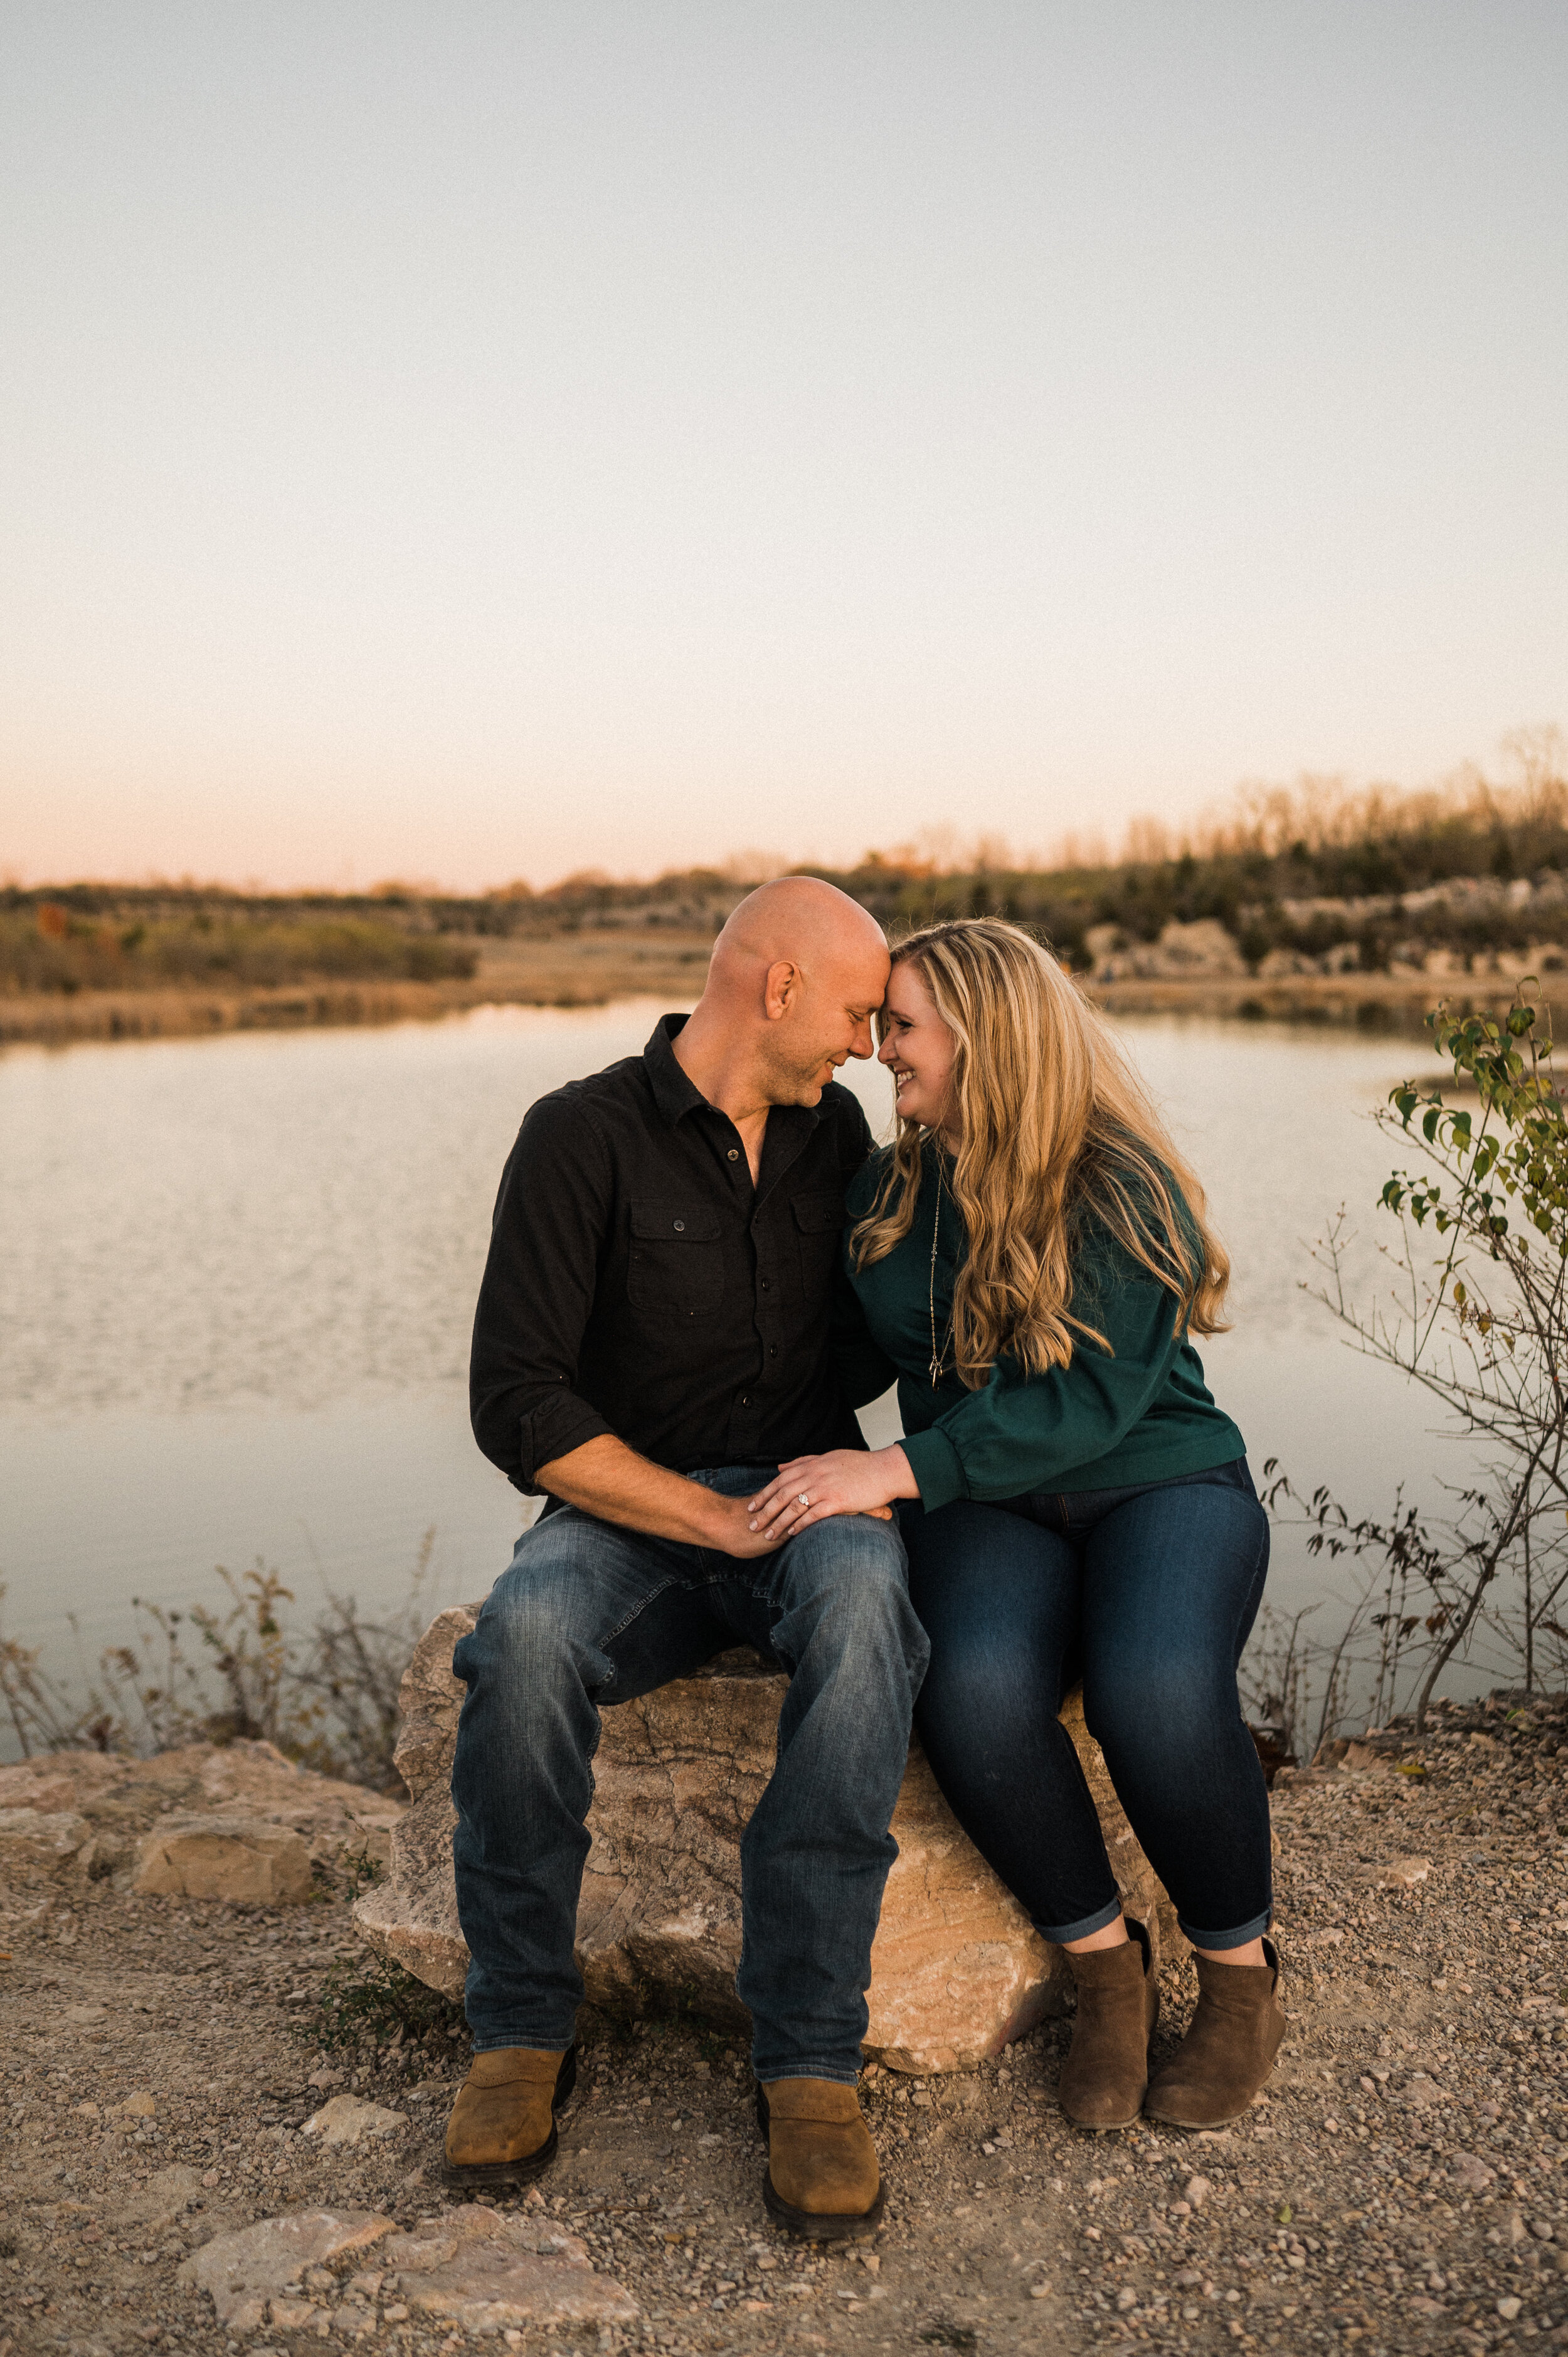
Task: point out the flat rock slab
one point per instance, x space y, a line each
348 2119
957 1970
473 2268
484 2272
241 2272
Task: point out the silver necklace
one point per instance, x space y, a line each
937 1355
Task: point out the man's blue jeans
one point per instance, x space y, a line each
1148 1594
590 1614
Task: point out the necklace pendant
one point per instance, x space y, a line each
936 1373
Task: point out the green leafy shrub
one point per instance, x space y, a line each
1477 1316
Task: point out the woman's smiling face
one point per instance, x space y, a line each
917 1048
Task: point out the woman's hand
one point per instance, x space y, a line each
843 1482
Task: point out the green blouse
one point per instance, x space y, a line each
1143 1413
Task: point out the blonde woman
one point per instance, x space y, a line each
1032 1256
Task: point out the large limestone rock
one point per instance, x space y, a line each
957 1971
237 1822
240 1858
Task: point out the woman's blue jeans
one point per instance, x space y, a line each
1148 1594
590 1614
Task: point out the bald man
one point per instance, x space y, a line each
656 1333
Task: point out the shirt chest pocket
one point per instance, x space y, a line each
818 1224
677 1262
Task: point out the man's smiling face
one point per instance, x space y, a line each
828 1020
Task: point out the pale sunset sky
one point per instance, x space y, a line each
469 441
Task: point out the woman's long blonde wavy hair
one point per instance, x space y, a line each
1056 1126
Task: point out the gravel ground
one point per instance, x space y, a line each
1398 2187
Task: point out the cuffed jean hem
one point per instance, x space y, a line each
530 2041
1240 1937
839 2077
1060 1933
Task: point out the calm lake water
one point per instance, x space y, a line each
237 1276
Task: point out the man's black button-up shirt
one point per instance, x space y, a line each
638 1284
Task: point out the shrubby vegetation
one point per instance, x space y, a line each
1477 1315
326 1693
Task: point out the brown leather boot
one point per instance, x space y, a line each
502 2128
822 2180
1229 2047
1107 2070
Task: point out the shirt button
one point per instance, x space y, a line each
746 1399
735 1154
773 1350
768 1285
679 1227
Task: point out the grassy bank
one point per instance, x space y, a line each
581 968
592 967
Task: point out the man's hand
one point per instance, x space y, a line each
738 1536
843 1482
606 1478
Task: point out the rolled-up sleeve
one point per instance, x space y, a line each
552 1218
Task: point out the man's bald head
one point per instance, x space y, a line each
796 975
801 918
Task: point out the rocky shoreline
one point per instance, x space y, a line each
1399 2186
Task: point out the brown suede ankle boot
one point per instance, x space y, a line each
1105 2073
822 2180
1229 2047
502 2128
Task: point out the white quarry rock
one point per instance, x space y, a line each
234 1857
81 1813
293 2315
485 2271
957 1970
35 1842
242 2271
348 2119
1399 1873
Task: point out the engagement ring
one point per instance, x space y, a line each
804 1501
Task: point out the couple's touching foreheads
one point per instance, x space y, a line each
702 1264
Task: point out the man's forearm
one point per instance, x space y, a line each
604 1476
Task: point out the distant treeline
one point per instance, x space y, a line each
1469 867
